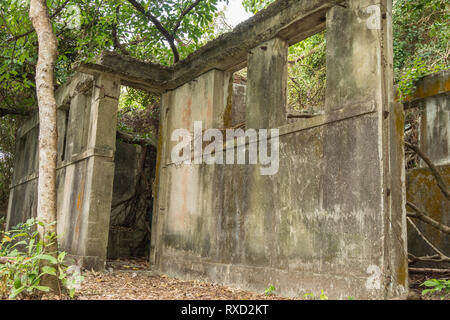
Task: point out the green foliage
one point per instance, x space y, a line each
98 18
310 296
323 296
2 223
139 114
254 6
436 285
269 290
307 73
82 43
421 33
8 125
419 69
28 260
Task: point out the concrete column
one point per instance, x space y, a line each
160 184
99 172
363 155
267 85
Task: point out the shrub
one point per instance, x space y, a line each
435 285
25 259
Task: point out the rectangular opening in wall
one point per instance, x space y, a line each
66 124
234 116
134 174
306 77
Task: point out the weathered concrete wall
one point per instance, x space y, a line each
434 135
333 217
87 109
238 104
433 97
423 191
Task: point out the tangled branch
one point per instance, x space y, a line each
440 181
424 217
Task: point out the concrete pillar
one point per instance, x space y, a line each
363 155
267 85
100 172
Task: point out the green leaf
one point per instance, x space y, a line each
17 281
431 283
47 257
426 291
49 270
43 288
16 292
61 257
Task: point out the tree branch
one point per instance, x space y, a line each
439 257
440 181
428 270
183 14
440 253
436 258
425 218
170 39
116 40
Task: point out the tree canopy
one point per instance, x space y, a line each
157 31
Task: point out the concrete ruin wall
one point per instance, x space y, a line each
87 108
433 97
333 217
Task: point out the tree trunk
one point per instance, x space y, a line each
46 207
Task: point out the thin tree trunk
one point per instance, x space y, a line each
46 208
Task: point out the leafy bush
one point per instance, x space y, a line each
25 259
421 36
419 69
436 285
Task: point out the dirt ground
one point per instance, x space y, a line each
131 280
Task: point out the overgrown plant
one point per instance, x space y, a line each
419 69
436 285
269 291
25 259
310 296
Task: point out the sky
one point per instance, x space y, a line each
235 12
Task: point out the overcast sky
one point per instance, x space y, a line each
235 12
